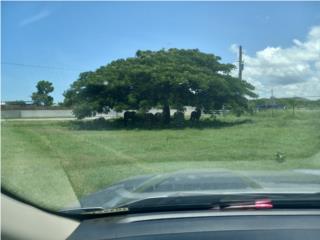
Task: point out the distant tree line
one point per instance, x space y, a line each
296 102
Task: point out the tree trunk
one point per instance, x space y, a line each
166 113
199 112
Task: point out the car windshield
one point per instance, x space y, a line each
105 105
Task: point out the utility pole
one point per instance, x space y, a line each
272 102
293 105
240 62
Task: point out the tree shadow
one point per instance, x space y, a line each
118 124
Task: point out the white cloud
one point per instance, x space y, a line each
37 17
292 71
234 48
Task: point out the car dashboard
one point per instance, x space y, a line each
256 224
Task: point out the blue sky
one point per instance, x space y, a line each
72 37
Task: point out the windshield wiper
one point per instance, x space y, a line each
93 211
205 202
226 202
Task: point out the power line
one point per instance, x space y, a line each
40 66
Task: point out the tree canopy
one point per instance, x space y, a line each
41 97
166 78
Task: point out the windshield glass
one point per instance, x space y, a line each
108 103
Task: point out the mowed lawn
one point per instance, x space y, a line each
52 163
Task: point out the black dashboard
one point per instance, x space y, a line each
268 224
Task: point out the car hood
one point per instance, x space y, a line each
204 182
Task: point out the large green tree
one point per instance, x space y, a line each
41 97
165 78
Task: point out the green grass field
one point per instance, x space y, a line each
52 162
